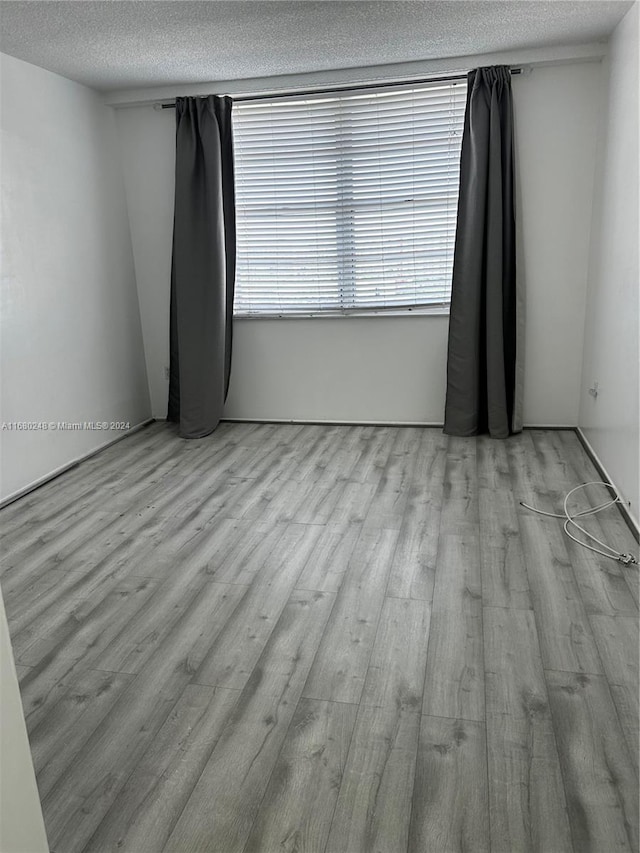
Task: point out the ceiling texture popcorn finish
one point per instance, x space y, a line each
109 44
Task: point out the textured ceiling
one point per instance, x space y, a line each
117 44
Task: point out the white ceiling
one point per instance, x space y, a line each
118 44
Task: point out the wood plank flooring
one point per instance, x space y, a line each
287 638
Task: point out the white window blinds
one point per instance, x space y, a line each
347 202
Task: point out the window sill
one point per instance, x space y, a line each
431 310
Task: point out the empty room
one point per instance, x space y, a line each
320 475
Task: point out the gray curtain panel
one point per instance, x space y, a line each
483 377
203 265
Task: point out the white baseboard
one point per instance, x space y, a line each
72 464
317 422
632 522
550 426
431 424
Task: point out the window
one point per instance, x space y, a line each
346 202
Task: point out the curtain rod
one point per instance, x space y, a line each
270 96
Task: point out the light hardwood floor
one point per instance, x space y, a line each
292 638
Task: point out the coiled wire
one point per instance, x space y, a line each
570 522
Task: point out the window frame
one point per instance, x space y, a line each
437 308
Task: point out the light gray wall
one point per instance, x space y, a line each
393 369
21 824
611 356
71 342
